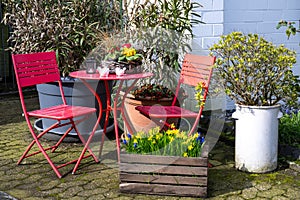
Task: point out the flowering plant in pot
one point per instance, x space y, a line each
258 76
170 159
171 142
125 54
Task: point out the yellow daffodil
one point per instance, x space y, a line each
171 139
139 135
195 135
172 126
158 136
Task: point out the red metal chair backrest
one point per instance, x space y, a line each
195 69
35 68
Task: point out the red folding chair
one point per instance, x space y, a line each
37 68
195 69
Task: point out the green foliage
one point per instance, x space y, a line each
163 28
177 15
254 71
290 27
167 143
70 27
289 129
152 91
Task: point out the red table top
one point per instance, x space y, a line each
83 75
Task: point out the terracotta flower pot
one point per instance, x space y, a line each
138 121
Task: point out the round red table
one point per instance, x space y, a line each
83 76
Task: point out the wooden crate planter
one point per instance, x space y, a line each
163 175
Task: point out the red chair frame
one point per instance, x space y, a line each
38 68
195 69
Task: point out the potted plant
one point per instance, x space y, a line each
71 29
148 95
258 76
162 31
115 50
164 163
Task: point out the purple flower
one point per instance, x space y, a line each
129 135
202 140
199 137
135 145
125 141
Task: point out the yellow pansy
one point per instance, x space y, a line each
129 51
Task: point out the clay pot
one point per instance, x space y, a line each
140 122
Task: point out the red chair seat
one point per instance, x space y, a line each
166 112
62 112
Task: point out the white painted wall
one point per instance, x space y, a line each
212 13
255 16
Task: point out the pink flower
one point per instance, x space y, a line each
127 45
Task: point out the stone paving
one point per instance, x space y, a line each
34 179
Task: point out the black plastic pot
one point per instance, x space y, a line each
76 93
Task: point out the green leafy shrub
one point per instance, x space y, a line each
254 71
290 28
164 29
289 129
72 28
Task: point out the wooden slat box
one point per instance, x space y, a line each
163 175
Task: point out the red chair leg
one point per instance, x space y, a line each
86 147
61 139
34 141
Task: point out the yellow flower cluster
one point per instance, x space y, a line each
129 51
199 93
169 142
